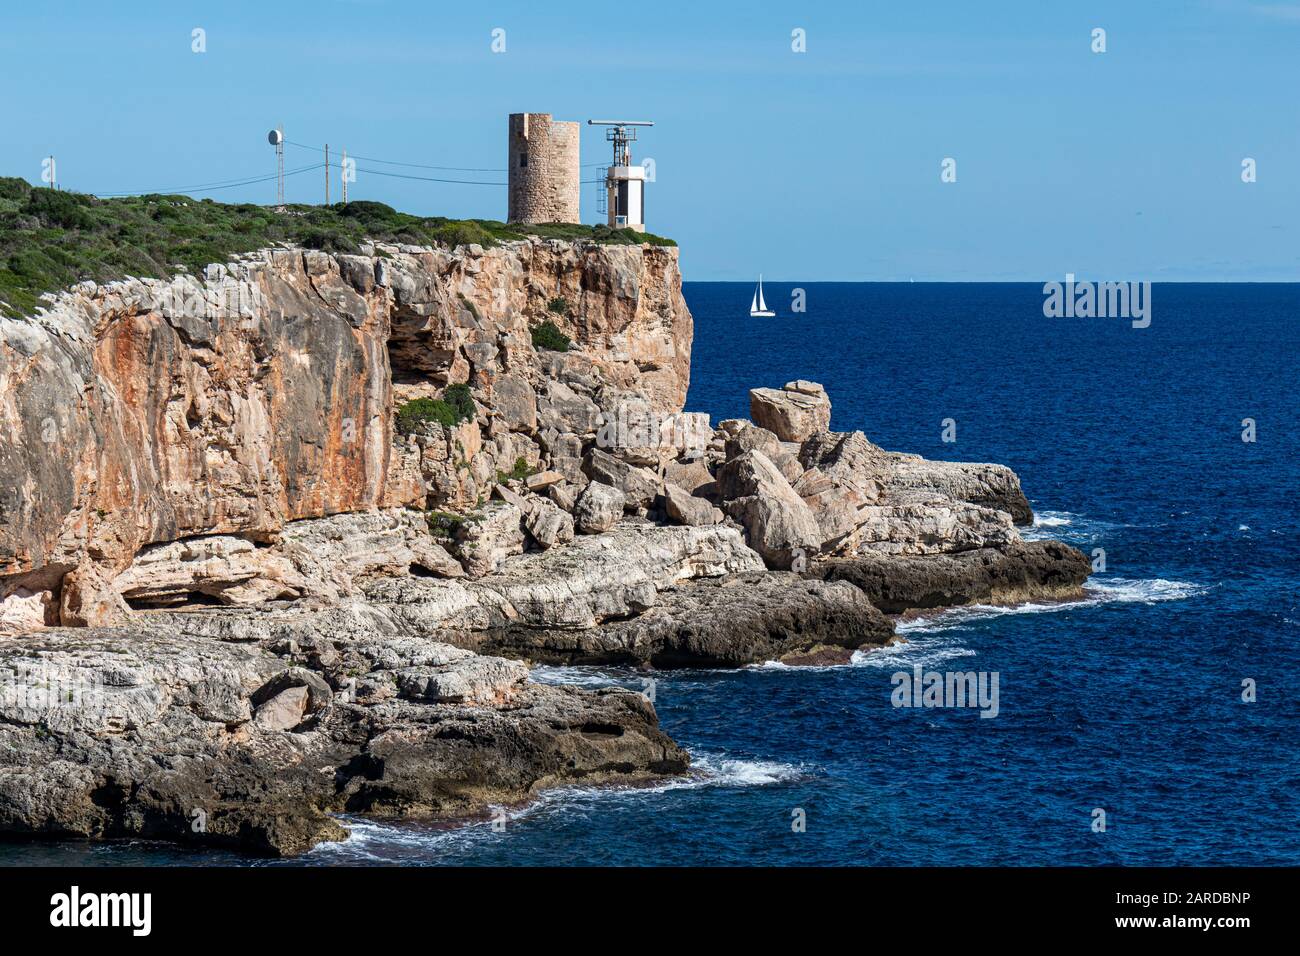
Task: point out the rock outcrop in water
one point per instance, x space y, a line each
290 607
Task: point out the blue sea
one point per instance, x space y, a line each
1131 701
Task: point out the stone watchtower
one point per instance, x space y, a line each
543 169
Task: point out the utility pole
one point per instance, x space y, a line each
327 174
343 172
53 177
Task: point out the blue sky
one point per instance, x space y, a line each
823 165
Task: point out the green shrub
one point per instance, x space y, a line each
365 209
456 406
464 234
11 187
548 336
462 402
444 524
559 305
519 472
419 411
58 208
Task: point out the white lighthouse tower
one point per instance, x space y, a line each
624 183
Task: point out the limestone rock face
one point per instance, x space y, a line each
596 578
146 411
729 621
322 558
449 464
515 402
143 412
488 536
994 486
794 413
778 524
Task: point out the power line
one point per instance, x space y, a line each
430 179
213 186
393 162
221 184
452 169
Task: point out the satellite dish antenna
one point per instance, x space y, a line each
276 139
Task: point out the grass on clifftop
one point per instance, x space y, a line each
50 239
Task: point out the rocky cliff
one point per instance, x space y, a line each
143 412
292 502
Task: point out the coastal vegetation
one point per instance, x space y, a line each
51 239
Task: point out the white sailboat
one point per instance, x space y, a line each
758 308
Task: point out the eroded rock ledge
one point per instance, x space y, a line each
279 606
148 732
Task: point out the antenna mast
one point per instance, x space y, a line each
276 139
620 133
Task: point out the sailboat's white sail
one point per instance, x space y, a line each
757 307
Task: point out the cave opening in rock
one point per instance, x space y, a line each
173 601
415 355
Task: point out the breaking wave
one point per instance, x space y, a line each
1068 526
370 842
1053 519
1096 592
579 675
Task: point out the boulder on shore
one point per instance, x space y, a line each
684 508
794 413
598 508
